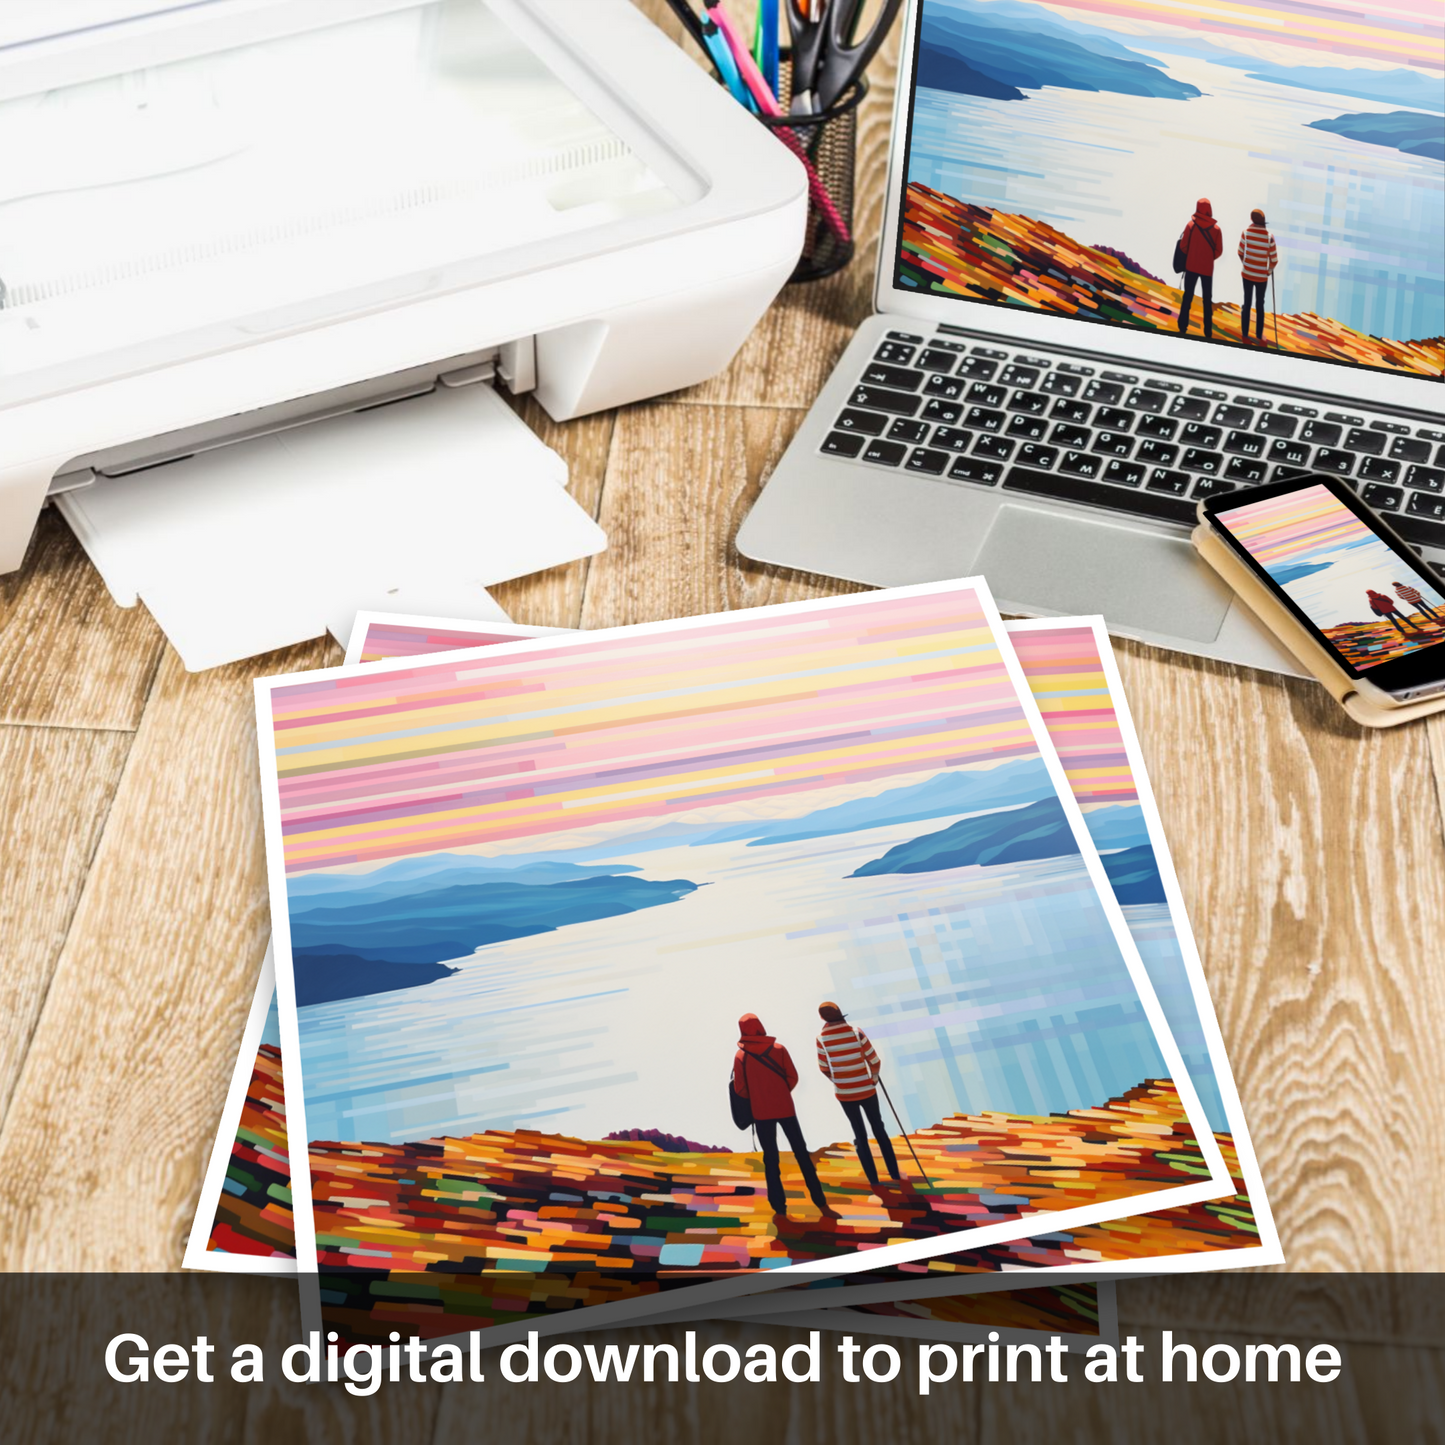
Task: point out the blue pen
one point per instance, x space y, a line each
727 67
768 31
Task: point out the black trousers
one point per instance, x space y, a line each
772 1171
1206 289
1253 293
855 1109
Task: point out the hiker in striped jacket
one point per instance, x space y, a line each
847 1058
1413 597
1258 256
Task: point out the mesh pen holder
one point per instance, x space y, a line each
826 143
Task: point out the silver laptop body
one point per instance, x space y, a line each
968 471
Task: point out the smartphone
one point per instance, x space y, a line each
1370 601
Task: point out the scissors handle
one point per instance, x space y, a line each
843 57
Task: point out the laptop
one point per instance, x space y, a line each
1043 395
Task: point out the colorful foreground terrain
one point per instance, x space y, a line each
254 1215
952 247
1368 643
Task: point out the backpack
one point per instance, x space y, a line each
740 1104
1180 257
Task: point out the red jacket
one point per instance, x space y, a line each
1202 240
1380 605
769 1093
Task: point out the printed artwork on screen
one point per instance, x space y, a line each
506 875
1059 153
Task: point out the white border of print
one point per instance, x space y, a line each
1268 1250
365 621
197 1255
1218 1183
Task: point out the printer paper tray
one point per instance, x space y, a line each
417 506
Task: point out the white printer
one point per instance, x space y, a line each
226 223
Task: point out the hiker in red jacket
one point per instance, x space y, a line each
847 1059
1384 606
1202 243
763 1073
1258 256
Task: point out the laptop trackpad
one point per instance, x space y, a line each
1069 565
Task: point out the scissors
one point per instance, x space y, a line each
827 54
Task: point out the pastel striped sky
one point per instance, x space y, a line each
1068 683
639 725
1407 32
1294 527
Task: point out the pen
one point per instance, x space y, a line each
765 42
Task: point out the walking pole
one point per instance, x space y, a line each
1274 310
904 1132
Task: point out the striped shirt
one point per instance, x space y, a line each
846 1057
1410 594
1257 252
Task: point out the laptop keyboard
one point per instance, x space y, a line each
1140 444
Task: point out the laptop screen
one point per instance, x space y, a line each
1268 174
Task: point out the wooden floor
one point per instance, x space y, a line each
133 903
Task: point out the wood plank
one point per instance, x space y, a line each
56 786
115 1108
679 482
1311 857
554 598
69 657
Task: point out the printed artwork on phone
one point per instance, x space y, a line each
1369 603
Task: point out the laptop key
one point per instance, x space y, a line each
1322 433
977 368
1381 498
1107 392
886 454
944 411
877 398
1423 505
1162 427
1124 474
953 438
1035 403
904 429
1330 459
1072 488
1060 383
996 447
923 459
1015 375
1113 418
1211 487
982 394
935 360
1030 427
905 336
1189 408
1426 479
971 469
1070 436
1226 415
1113 444
1272 424
980 418
948 387
1033 455
1419 531
1162 480
877 374
1244 469
1195 435
1196 459
1407 449
1081 464
843 444
1245 444
1075 411
867 422
1378 469
1156 454
895 353
1143 398
1289 453
1372 443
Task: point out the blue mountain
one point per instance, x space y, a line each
402 939
1020 54
1021 15
1015 835
1134 875
1121 825
1293 571
411 876
1401 130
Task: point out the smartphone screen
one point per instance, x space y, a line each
1357 587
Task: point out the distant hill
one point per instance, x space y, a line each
439 870
1015 835
1401 130
1293 571
1134 875
1120 825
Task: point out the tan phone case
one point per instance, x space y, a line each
1275 616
